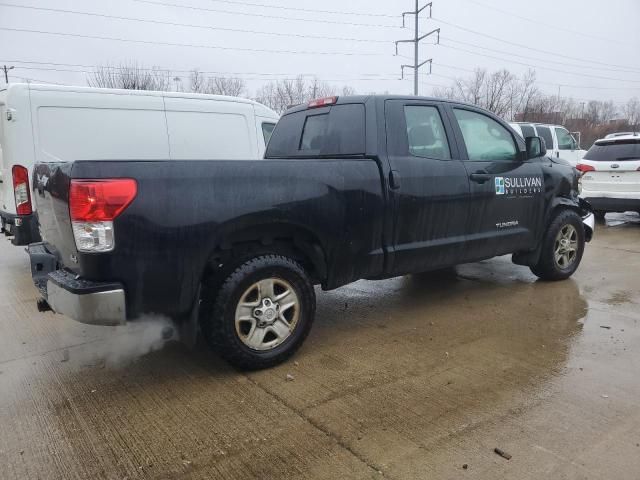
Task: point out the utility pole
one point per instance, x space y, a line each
6 73
417 38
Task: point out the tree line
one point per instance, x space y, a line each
515 98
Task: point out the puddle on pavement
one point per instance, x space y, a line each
618 219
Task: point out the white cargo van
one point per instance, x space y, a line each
49 123
560 142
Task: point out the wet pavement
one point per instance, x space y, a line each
407 378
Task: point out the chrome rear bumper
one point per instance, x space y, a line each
98 308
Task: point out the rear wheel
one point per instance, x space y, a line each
260 314
562 247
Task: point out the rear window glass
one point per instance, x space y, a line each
614 152
545 133
527 131
314 132
337 130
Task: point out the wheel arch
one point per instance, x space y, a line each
236 243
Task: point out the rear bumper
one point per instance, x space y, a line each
24 228
610 204
95 303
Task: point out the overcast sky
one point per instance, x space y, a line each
589 48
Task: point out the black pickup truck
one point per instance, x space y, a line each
362 187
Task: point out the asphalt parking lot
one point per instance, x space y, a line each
408 378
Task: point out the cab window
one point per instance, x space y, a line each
527 131
565 140
485 139
545 132
425 133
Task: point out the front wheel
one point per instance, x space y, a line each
562 247
261 313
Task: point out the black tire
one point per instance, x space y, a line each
599 214
547 267
220 300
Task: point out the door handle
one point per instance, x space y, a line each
394 179
480 177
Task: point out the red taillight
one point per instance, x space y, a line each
585 168
100 200
322 102
21 190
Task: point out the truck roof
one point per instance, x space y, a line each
381 98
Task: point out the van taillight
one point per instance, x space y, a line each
93 205
21 190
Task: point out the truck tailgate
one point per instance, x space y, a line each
51 196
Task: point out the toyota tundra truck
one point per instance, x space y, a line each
360 187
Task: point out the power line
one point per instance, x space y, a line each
306 10
537 66
529 47
452 67
262 15
538 59
190 45
242 75
157 68
175 24
555 28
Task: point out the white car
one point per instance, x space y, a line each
610 179
51 123
621 134
560 142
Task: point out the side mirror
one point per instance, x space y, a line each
536 147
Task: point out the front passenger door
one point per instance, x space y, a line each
507 191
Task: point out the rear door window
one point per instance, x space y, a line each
331 131
485 139
545 132
614 151
425 132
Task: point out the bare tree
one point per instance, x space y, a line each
232 86
130 77
281 94
631 111
197 81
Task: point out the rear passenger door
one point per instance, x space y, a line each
507 191
429 187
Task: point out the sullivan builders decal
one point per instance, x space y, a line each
518 186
